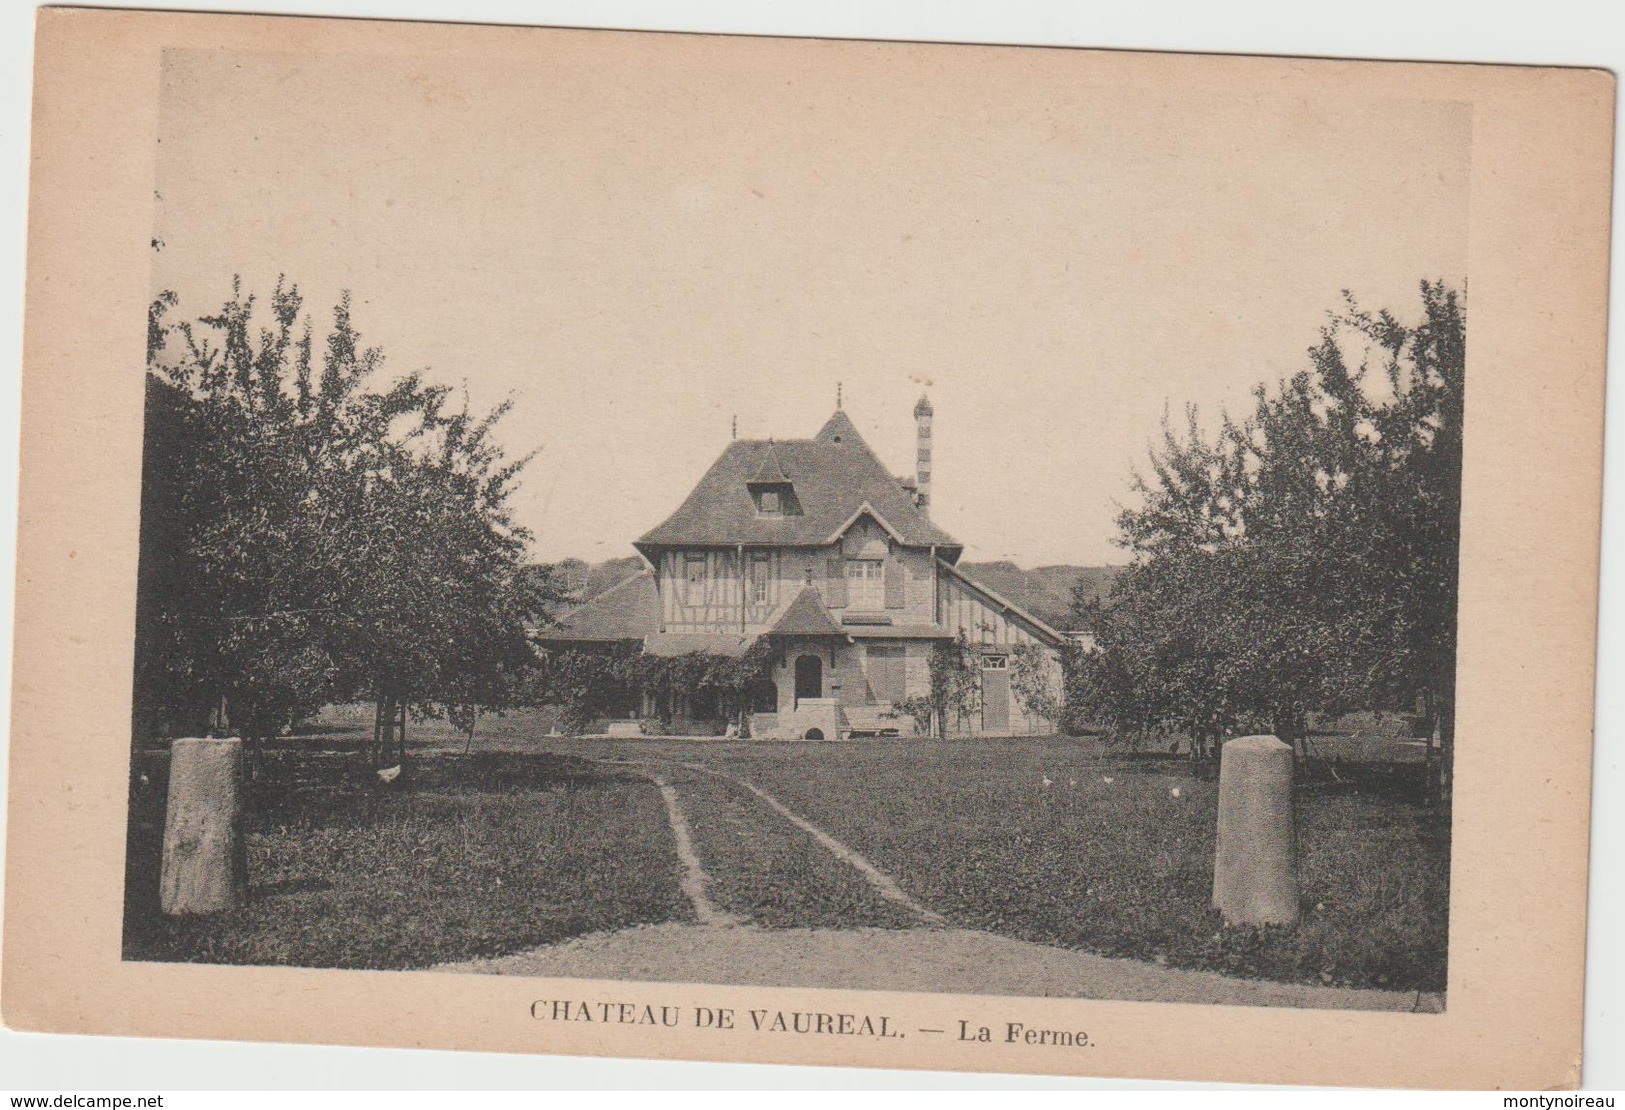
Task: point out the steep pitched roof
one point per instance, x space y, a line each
839 428
629 610
806 616
769 471
833 475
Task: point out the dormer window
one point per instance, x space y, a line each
777 499
770 486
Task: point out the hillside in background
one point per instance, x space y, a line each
1045 592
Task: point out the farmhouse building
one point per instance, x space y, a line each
815 549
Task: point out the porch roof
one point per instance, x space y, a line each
667 645
897 632
806 616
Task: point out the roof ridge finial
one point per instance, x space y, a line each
837 396
735 434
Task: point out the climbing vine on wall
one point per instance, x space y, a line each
1030 679
589 683
956 688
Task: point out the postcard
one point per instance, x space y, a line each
855 553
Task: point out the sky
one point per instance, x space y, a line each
642 238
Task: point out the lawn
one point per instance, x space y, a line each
502 850
470 856
1115 854
345 727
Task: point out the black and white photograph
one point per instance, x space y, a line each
807 534
727 549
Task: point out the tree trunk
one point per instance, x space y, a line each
1288 727
1198 744
1430 754
386 730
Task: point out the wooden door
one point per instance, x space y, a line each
809 677
995 694
888 673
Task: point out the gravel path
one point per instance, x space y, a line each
770 873
884 885
944 961
695 882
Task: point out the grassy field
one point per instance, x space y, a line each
343 727
473 856
525 843
1115 854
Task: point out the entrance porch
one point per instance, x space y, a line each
831 688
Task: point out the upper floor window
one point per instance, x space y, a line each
759 568
865 583
695 579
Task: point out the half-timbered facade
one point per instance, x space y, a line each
817 547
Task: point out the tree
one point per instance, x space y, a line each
1158 655
470 684
585 683
1304 558
217 600
308 536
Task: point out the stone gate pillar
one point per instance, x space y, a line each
204 863
1255 870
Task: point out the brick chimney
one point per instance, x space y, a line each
922 455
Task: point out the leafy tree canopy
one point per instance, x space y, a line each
309 533
1304 557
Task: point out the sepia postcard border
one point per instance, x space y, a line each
1538 260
